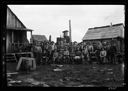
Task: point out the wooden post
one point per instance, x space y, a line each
31 33
12 41
31 38
12 37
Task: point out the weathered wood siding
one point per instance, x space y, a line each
14 36
13 21
105 32
8 41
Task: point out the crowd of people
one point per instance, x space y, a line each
82 53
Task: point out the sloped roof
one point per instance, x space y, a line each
13 21
22 29
39 38
104 32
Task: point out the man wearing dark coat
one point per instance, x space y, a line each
112 52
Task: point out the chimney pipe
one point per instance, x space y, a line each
111 24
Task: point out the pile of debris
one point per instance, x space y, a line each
57 67
23 82
11 81
34 82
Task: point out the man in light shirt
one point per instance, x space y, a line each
66 55
103 54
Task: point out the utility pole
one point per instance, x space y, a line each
70 35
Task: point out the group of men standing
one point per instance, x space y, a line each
100 53
49 53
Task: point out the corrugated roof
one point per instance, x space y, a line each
39 38
104 32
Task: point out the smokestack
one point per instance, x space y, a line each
70 31
49 38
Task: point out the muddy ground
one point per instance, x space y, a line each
67 76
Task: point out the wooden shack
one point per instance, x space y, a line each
16 32
107 33
38 39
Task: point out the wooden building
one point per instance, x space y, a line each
16 32
38 39
113 33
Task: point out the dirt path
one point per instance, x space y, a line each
72 76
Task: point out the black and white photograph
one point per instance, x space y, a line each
65 45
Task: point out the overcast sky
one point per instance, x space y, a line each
53 19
